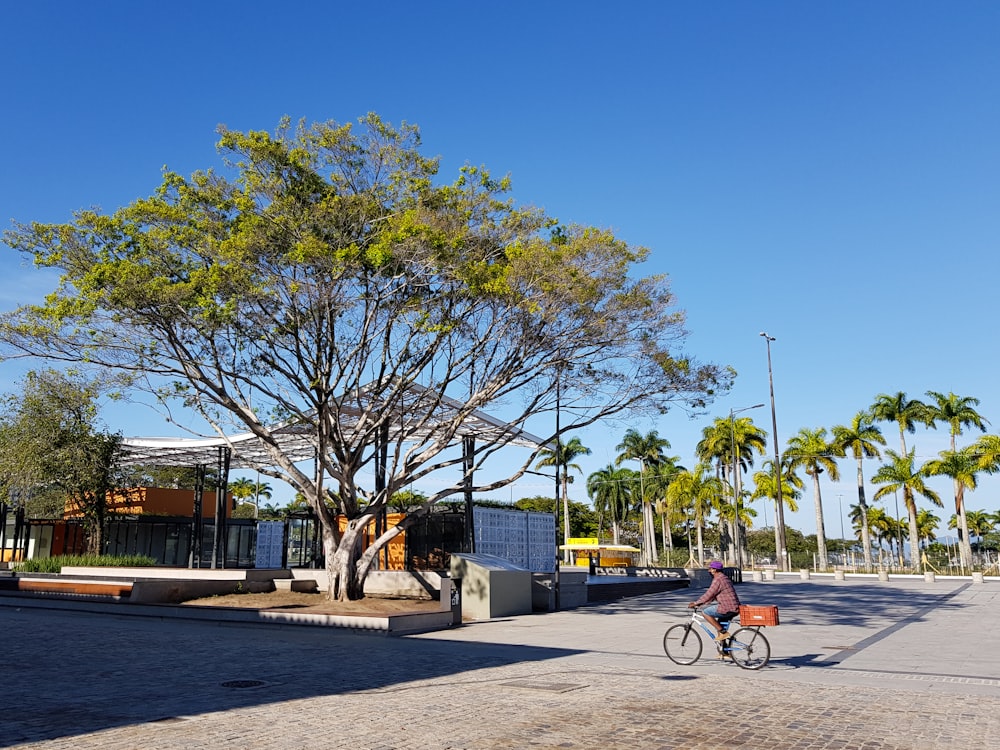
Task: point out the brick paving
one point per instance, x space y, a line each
843 675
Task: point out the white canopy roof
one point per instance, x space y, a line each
295 439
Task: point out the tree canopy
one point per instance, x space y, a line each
324 277
53 454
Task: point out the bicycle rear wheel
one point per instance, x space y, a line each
749 648
682 644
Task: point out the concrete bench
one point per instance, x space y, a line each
307 585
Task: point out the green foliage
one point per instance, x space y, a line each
329 259
51 448
56 564
583 521
245 510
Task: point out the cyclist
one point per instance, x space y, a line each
727 602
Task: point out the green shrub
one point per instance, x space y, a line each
56 564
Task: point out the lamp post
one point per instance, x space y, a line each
780 542
738 556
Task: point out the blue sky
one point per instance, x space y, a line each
828 172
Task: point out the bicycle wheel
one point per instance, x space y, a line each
749 648
682 644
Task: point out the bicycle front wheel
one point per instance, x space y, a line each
682 644
749 648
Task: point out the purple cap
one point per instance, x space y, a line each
715 565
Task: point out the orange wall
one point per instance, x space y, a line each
396 547
157 501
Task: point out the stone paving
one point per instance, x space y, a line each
857 664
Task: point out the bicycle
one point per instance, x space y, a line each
747 646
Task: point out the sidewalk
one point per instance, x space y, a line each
854 665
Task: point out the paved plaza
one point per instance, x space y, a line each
855 664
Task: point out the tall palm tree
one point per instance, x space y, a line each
731 444
861 439
791 491
962 466
958 412
659 479
696 490
562 457
900 474
611 491
907 413
648 451
810 451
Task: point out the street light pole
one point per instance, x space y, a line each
738 556
780 541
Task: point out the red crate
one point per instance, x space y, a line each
763 615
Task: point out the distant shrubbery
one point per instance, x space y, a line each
56 564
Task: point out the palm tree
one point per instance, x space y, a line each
958 412
810 451
610 490
648 451
241 489
905 412
260 490
562 458
695 490
658 482
791 485
962 466
900 474
980 523
882 524
862 439
927 524
730 443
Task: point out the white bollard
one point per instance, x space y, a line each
883 575
977 578
929 576
838 575
768 575
804 574
757 575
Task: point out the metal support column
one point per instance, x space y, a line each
468 462
222 484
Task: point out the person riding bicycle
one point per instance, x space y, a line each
723 593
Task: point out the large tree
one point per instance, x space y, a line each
901 473
325 278
611 490
730 444
561 457
51 446
861 439
958 412
648 451
696 491
810 450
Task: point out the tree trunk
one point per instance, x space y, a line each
822 561
341 563
965 543
866 537
911 510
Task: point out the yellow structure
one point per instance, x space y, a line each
587 549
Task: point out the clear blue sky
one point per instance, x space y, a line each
828 171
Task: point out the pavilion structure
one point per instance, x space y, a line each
295 439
